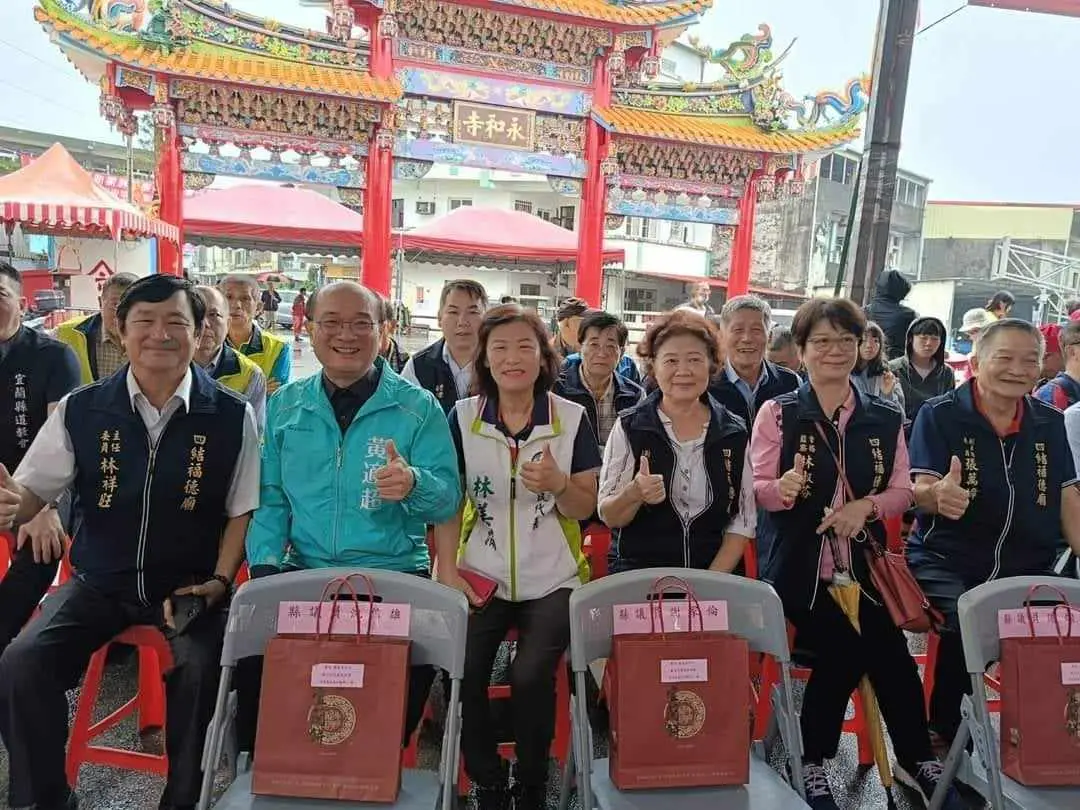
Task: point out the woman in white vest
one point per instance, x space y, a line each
529 462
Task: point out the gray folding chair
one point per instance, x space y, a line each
754 613
978 612
439 619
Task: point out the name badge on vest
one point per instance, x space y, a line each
439 390
110 467
196 457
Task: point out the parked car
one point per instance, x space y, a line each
283 316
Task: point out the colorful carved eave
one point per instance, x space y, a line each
724 132
203 61
629 14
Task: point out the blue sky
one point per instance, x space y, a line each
993 110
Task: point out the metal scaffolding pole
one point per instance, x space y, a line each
881 149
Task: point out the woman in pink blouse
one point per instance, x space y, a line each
799 444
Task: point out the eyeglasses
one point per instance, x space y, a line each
845 343
333 326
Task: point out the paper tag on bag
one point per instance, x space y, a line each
1013 623
640 618
684 670
349 618
338 676
1070 674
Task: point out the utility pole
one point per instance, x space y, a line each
881 148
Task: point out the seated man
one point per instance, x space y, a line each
35 373
395 468
222 362
592 379
164 463
995 489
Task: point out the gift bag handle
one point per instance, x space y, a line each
1069 608
660 587
338 584
370 587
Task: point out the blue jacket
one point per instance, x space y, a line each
626 366
318 501
1012 527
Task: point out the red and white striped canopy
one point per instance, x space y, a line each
54 194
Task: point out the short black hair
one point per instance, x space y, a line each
928 326
154 289
7 271
599 320
507 299
842 313
474 289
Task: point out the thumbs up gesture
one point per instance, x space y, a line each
543 474
952 498
395 479
650 486
10 499
793 481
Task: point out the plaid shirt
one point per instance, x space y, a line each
606 414
110 356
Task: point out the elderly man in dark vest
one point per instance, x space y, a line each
164 463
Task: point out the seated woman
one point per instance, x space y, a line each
676 481
872 374
805 444
528 461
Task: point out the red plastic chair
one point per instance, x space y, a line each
596 543
7 547
155 659
929 663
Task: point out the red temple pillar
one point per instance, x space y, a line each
170 185
743 246
589 264
376 271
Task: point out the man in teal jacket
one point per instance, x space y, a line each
355 462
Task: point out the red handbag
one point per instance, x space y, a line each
1040 702
889 574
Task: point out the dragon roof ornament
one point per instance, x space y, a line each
749 55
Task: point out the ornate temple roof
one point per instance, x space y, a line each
200 59
621 12
729 132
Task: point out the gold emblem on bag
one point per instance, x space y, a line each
684 714
1072 715
331 719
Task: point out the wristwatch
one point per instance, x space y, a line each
875 510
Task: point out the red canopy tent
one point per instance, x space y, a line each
494 237
279 218
54 194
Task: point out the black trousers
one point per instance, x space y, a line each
543 628
841 657
21 590
247 680
50 657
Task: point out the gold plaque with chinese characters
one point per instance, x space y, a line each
485 125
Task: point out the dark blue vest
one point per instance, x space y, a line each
152 518
867 451
434 375
657 537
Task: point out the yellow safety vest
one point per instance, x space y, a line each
262 349
234 371
76 334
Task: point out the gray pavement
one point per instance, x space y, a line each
102 788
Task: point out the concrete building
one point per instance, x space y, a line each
973 249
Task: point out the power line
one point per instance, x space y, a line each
40 97
35 57
940 20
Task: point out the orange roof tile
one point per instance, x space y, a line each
727 132
223 64
645 14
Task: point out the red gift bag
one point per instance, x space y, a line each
332 711
1040 702
679 705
